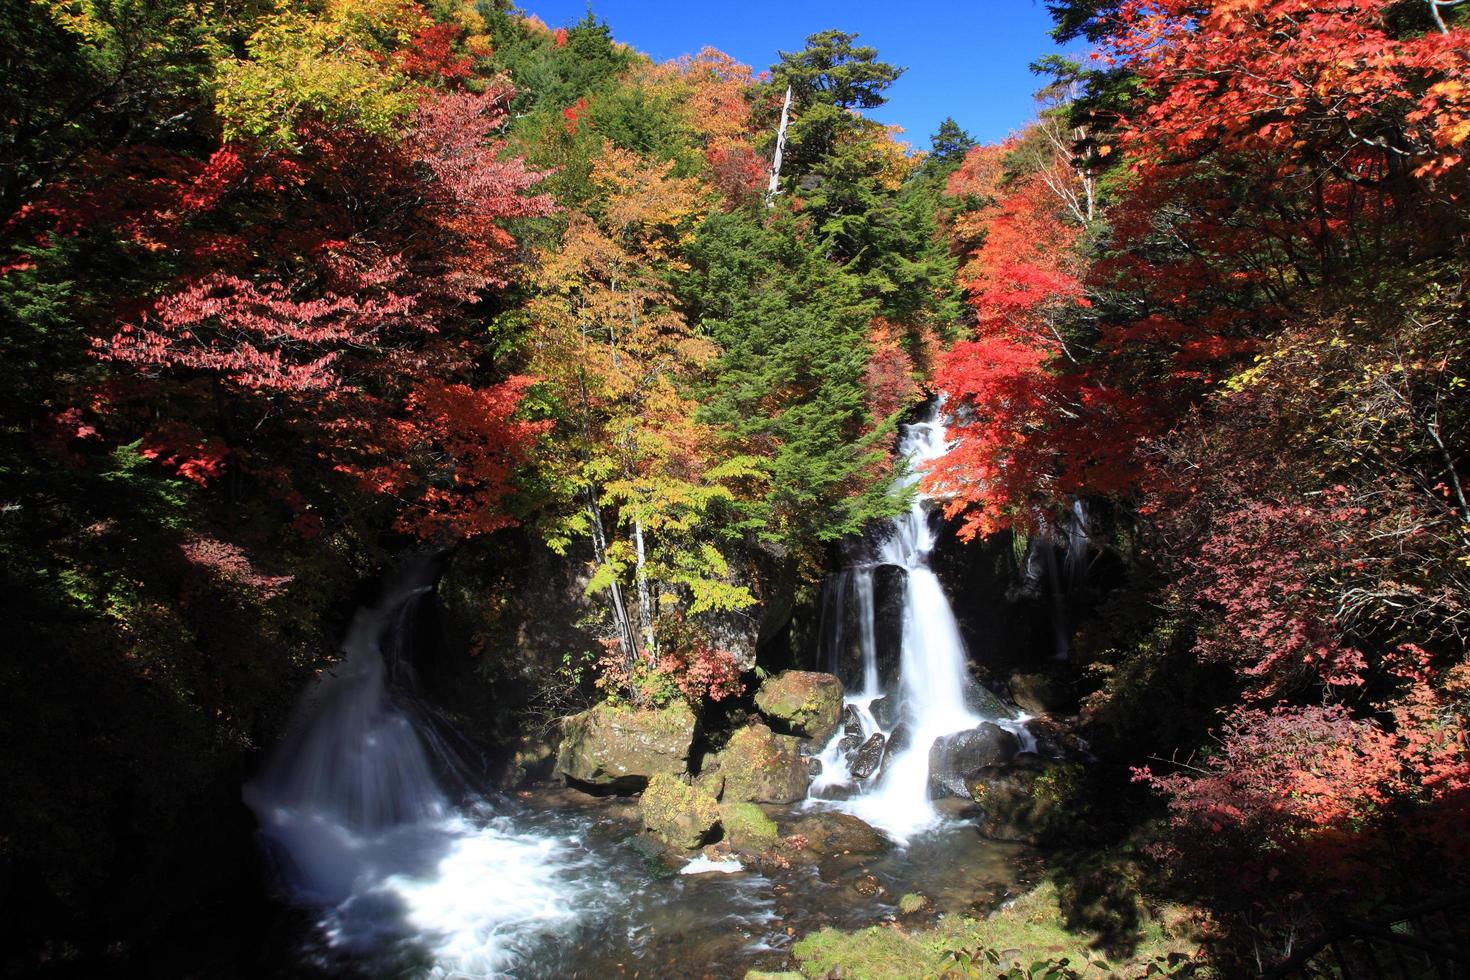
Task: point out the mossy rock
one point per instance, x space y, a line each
1041 693
912 902
620 748
710 780
677 813
803 703
762 767
747 827
1032 800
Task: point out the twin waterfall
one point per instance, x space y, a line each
377 830
933 695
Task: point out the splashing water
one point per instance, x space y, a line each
352 809
935 693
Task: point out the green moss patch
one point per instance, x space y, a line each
747 827
1030 929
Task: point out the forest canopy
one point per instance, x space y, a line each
289 288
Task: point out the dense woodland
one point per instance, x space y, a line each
289 289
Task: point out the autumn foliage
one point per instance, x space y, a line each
1246 352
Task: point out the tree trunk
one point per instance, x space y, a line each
780 148
615 591
645 594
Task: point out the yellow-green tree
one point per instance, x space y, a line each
619 360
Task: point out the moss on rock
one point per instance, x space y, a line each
1038 801
911 903
621 748
747 827
677 813
802 702
762 767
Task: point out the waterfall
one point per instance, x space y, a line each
353 811
935 695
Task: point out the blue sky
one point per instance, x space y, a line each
965 58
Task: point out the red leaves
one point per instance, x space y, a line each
737 172
573 115
1262 566
889 377
702 672
1031 427
1295 84
431 54
454 455
1286 775
228 564
181 448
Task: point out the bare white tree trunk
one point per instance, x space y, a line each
780 148
645 594
615 591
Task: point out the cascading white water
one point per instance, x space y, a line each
934 681
362 830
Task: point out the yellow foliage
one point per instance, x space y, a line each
330 64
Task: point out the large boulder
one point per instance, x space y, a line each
802 702
831 832
620 748
954 758
762 767
1029 799
677 813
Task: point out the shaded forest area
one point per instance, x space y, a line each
291 289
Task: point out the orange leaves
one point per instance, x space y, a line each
1292 77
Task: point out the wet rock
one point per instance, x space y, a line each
954 758
839 833
813 766
1029 799
867 885
747 827
869 756
677 813
763 767
620 749
884 711
851 723
987 704
1056 737
899 741
534 759
1040 693
890 592
849 744
802 702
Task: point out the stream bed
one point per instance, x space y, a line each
556 883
